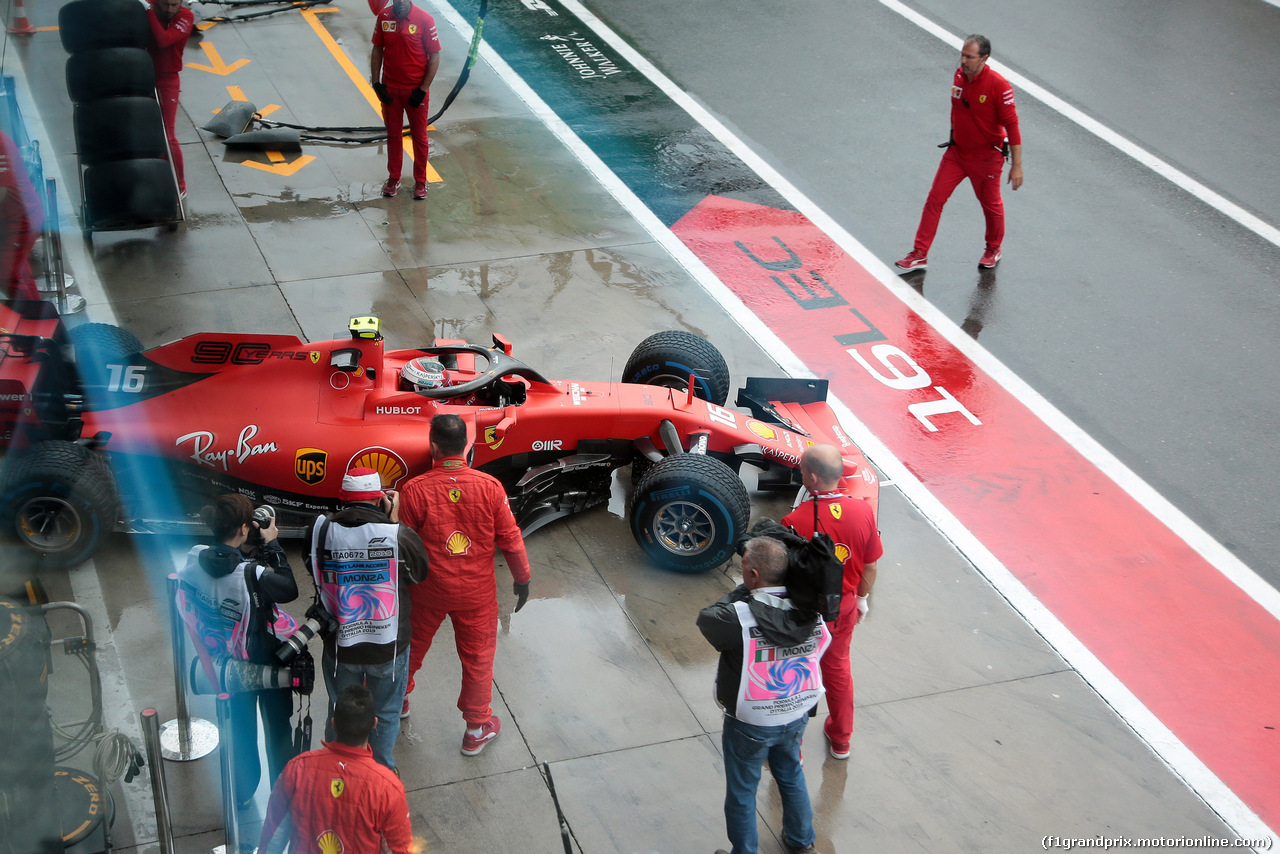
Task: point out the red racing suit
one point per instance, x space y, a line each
168 42
852 526
463 517
339 799
983 116
407 46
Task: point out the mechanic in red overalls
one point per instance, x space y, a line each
171 25
462 515
21 216
983 119
852 527
406 54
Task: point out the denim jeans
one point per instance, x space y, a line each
386 682
745 749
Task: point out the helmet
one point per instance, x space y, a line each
423 374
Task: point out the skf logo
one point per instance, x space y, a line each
842 552
491 437
455 495
458 544
764 431
315 357
309 465
336 787
387 463
836 510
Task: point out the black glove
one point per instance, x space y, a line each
380 89
419 95
522 594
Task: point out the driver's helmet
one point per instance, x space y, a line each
423 374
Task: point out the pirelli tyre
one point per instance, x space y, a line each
668 358
103 342
116 129
92 24
130 194
110 72
688 511
59 500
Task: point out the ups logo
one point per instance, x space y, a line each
309 465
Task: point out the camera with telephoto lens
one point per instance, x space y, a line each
237 677
318 621
263 516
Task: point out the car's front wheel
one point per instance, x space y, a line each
688 511
668 358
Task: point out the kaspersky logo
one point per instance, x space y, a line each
309 465
491 438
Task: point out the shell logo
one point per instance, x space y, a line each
458 543
329 843
842 552
387 463
764 431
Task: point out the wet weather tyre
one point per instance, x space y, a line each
668 358
114 129
110 72
130 194
688 512
92 24
59 501
103 341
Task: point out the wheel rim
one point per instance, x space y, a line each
684 528
49 524
677 382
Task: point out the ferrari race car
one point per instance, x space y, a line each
126 439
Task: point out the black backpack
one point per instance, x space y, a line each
815 576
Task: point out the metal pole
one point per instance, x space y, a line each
227 767
184 738
151 734
66 303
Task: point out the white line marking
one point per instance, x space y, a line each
1259 227
1161 740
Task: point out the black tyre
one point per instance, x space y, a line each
130 194
668 358
120 129
110 72
91 24
98 345
688 511
59 500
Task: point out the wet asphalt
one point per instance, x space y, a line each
972 733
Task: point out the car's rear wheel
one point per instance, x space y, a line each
668 358
102 341
688 511
59 501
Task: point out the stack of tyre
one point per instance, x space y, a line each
126 176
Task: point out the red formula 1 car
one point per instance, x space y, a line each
147 437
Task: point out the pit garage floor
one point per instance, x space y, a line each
972 733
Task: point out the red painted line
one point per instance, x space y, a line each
1196 650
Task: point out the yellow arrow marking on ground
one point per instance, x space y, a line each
278 164
216 65
362 83
237 94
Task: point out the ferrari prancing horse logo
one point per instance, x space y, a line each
337 787
455 495
836 510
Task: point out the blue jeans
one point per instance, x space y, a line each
745 749
386 682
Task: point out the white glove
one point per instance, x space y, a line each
864 607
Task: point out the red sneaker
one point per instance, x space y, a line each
420 190
404 710
389 189
989 259
915 260
837 749
473 744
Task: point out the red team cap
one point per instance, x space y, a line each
361 484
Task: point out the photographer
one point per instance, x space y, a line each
362 561
229 604
767 682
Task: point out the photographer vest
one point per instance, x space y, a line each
778 684
358 578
